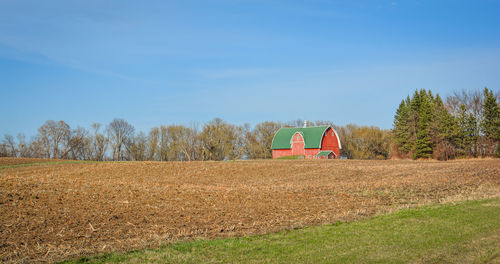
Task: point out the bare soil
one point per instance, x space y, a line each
16 161
52 212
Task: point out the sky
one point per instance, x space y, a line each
246 61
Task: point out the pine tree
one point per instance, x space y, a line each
466 134
401 128
437 109
490 125
413 117
448 132
423 146
443 131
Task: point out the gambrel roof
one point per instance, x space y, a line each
324 153
312 136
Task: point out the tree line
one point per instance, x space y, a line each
466 124
216 140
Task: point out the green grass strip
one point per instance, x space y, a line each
467 232
293 157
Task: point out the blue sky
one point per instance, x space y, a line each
166 62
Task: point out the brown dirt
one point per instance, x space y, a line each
16 161
58 211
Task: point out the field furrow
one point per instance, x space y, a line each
52 212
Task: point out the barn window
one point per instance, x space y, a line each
332 133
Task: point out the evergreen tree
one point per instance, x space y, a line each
490 125
401 128
448 132
425 127
437 108
466 134
423 146
414 115
444 131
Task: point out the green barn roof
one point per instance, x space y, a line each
324 153
312 136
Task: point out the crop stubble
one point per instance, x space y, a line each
53 212
19 161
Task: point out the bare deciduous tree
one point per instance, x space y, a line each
54 138
363 142
136 147
23 147
164 144
153 139
258 141
179 142
119 132
473 102
80 144
99 143
193 143
4 151
218 140
10 145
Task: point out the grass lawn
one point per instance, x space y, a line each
293 157
467 232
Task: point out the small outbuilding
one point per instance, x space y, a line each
328 154
319 142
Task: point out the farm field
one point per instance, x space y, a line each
18 161
463 232
55 211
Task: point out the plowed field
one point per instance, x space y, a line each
51 212
17 161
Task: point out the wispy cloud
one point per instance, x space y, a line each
40 57
237 72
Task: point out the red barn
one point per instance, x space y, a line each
321 142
